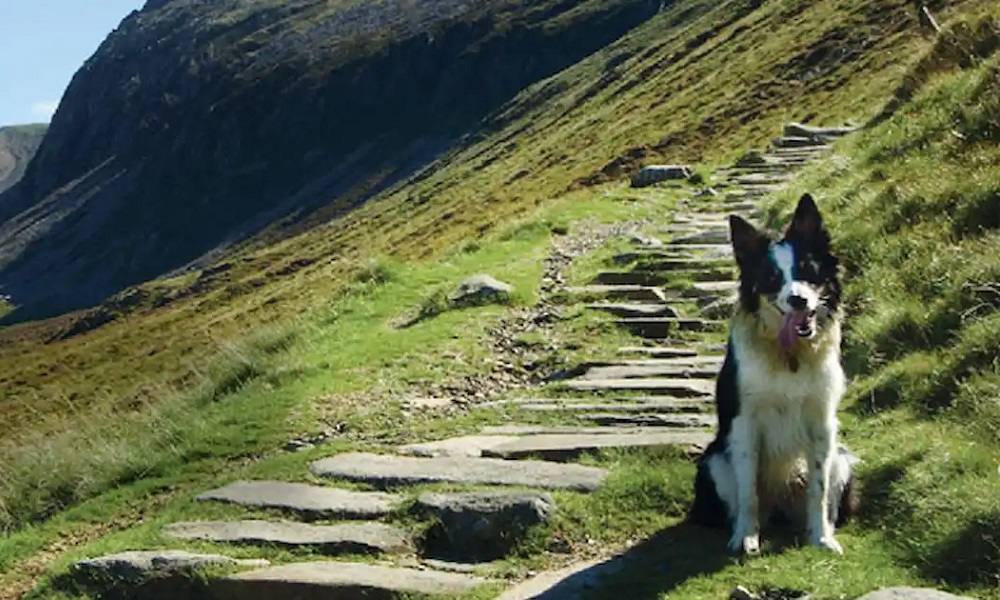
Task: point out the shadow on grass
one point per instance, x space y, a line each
969 559
659 564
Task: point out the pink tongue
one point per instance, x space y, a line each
788 334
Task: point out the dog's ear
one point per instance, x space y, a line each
807 223
749 245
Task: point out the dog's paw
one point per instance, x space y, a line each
746 544
829 543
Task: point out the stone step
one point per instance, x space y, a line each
620 292
388 471
706 371
710 360
520 430
348 580
681 388
701 289
712 265
679 413
642 278
664 327
664 404
760 179
466 445
650 420
354 538
709 236
158 573
802 130
568 446
795 141
659 351
650 309
705 253
309 501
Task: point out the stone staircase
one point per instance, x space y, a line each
672 294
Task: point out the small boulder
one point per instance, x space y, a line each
641 239
819 133
480 289
481 526
651 174
160 573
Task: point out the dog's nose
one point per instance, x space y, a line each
797 302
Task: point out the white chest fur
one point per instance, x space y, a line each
785 408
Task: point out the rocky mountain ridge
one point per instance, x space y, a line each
18 144
196 124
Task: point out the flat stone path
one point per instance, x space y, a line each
347 580
353 538
567 446
311 501
658 393
382 470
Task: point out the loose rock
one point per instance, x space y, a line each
481 526
651 174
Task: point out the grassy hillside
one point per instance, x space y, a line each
163 391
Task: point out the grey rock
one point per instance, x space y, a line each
910 593
698 371
641 239
342 580
621 292
383 471
161 573
659 351
311 501
707 237
664 405
481 526
469 446
666 386
819 133
480 289
363 538
646 419
635 309
567 446
651 174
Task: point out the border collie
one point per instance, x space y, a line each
776 454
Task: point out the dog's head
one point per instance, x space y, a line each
793 284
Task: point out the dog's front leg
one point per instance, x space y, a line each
821 454
744 453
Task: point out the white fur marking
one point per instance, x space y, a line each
783 256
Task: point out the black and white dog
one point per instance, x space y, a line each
776 453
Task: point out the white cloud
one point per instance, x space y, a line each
44 109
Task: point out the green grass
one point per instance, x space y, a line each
912 203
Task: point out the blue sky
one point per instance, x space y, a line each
42 44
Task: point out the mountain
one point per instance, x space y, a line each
18 144
196 124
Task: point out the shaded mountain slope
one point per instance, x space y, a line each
18 144
197 123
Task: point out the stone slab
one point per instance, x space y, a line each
383 471
659 351
635 309
468 446
567 446
663 327
706 371
663 386
321 580
621 292
523 430
161 574
666 406
909 593
707 237
642 277
311 501
651 420
354 538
